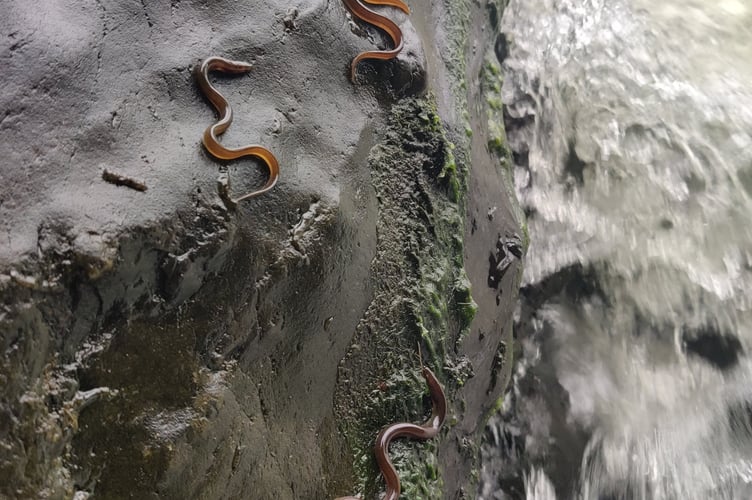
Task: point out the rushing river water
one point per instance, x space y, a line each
631 124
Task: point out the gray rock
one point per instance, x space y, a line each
153 343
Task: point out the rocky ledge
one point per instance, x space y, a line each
155 343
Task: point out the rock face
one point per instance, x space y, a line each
156 344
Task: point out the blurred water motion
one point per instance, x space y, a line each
631 124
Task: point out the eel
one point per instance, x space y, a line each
391 3
428 430
209 139
365 14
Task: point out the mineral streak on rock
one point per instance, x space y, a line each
155 345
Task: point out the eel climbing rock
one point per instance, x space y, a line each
211 143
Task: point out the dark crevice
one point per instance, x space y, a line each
719 349
574 167
501 47
576 281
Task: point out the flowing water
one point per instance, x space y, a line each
631 124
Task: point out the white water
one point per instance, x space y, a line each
655 99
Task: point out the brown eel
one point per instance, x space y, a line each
391 3
211 143
365 14
403 429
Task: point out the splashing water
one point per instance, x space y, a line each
631 124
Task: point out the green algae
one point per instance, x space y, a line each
492 79
423 297
421 482
458 29
467 308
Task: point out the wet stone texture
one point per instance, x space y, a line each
153 343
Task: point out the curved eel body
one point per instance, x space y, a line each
426 431
365 14
391 3
211 143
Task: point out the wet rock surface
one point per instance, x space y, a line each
155 344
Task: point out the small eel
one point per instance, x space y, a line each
403 429
211 143
365 14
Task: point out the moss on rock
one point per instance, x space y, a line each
422 297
